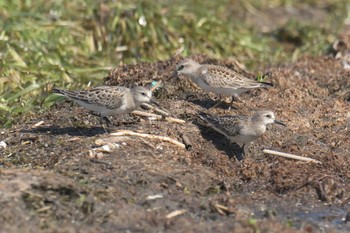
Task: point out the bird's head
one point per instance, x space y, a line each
143 95
267 117
187 66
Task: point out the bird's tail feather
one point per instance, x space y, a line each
58 91
69 94
205 117
267 84
264 76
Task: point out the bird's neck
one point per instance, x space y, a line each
257 130
137 103
194 77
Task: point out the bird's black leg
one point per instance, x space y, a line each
102 120
234 98
241 155
220 101
243 150
217 104
108 122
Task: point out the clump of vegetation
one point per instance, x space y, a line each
74 43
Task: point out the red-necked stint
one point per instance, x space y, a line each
217 79
242 129
109 100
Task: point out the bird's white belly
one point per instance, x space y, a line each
227 91
91 107
244 138
122 110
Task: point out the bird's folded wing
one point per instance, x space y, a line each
110 98
227 125
226 78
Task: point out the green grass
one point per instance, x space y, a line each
74 43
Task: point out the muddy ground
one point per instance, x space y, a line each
55 176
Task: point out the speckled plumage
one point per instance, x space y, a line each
242 129
217 79
109 100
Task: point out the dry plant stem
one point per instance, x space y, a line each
178 52
157 110
176 213
156 86
162 138
186 142
290 156
38 124
221 209
158 117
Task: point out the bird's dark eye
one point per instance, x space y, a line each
268 116
179 67
143 93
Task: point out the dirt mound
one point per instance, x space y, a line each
151 185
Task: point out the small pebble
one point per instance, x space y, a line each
3 145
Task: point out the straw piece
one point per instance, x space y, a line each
290 156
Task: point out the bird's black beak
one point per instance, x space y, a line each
280 123
154 102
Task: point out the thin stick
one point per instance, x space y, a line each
157 110
290 156
151 136
176 213
186 142
38 124
158 117
156 86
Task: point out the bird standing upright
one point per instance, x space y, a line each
242 129
217 79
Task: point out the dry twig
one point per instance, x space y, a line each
158 117
156 86
38 124
186 141
290 156
222 209
162 138
176 213
157 110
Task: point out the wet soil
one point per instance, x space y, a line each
57 176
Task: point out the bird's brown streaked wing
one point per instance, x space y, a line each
109 97
228 125
226 78
211 76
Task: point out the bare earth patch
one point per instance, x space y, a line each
56 178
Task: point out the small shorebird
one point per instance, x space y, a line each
217 79
242 129
109 100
